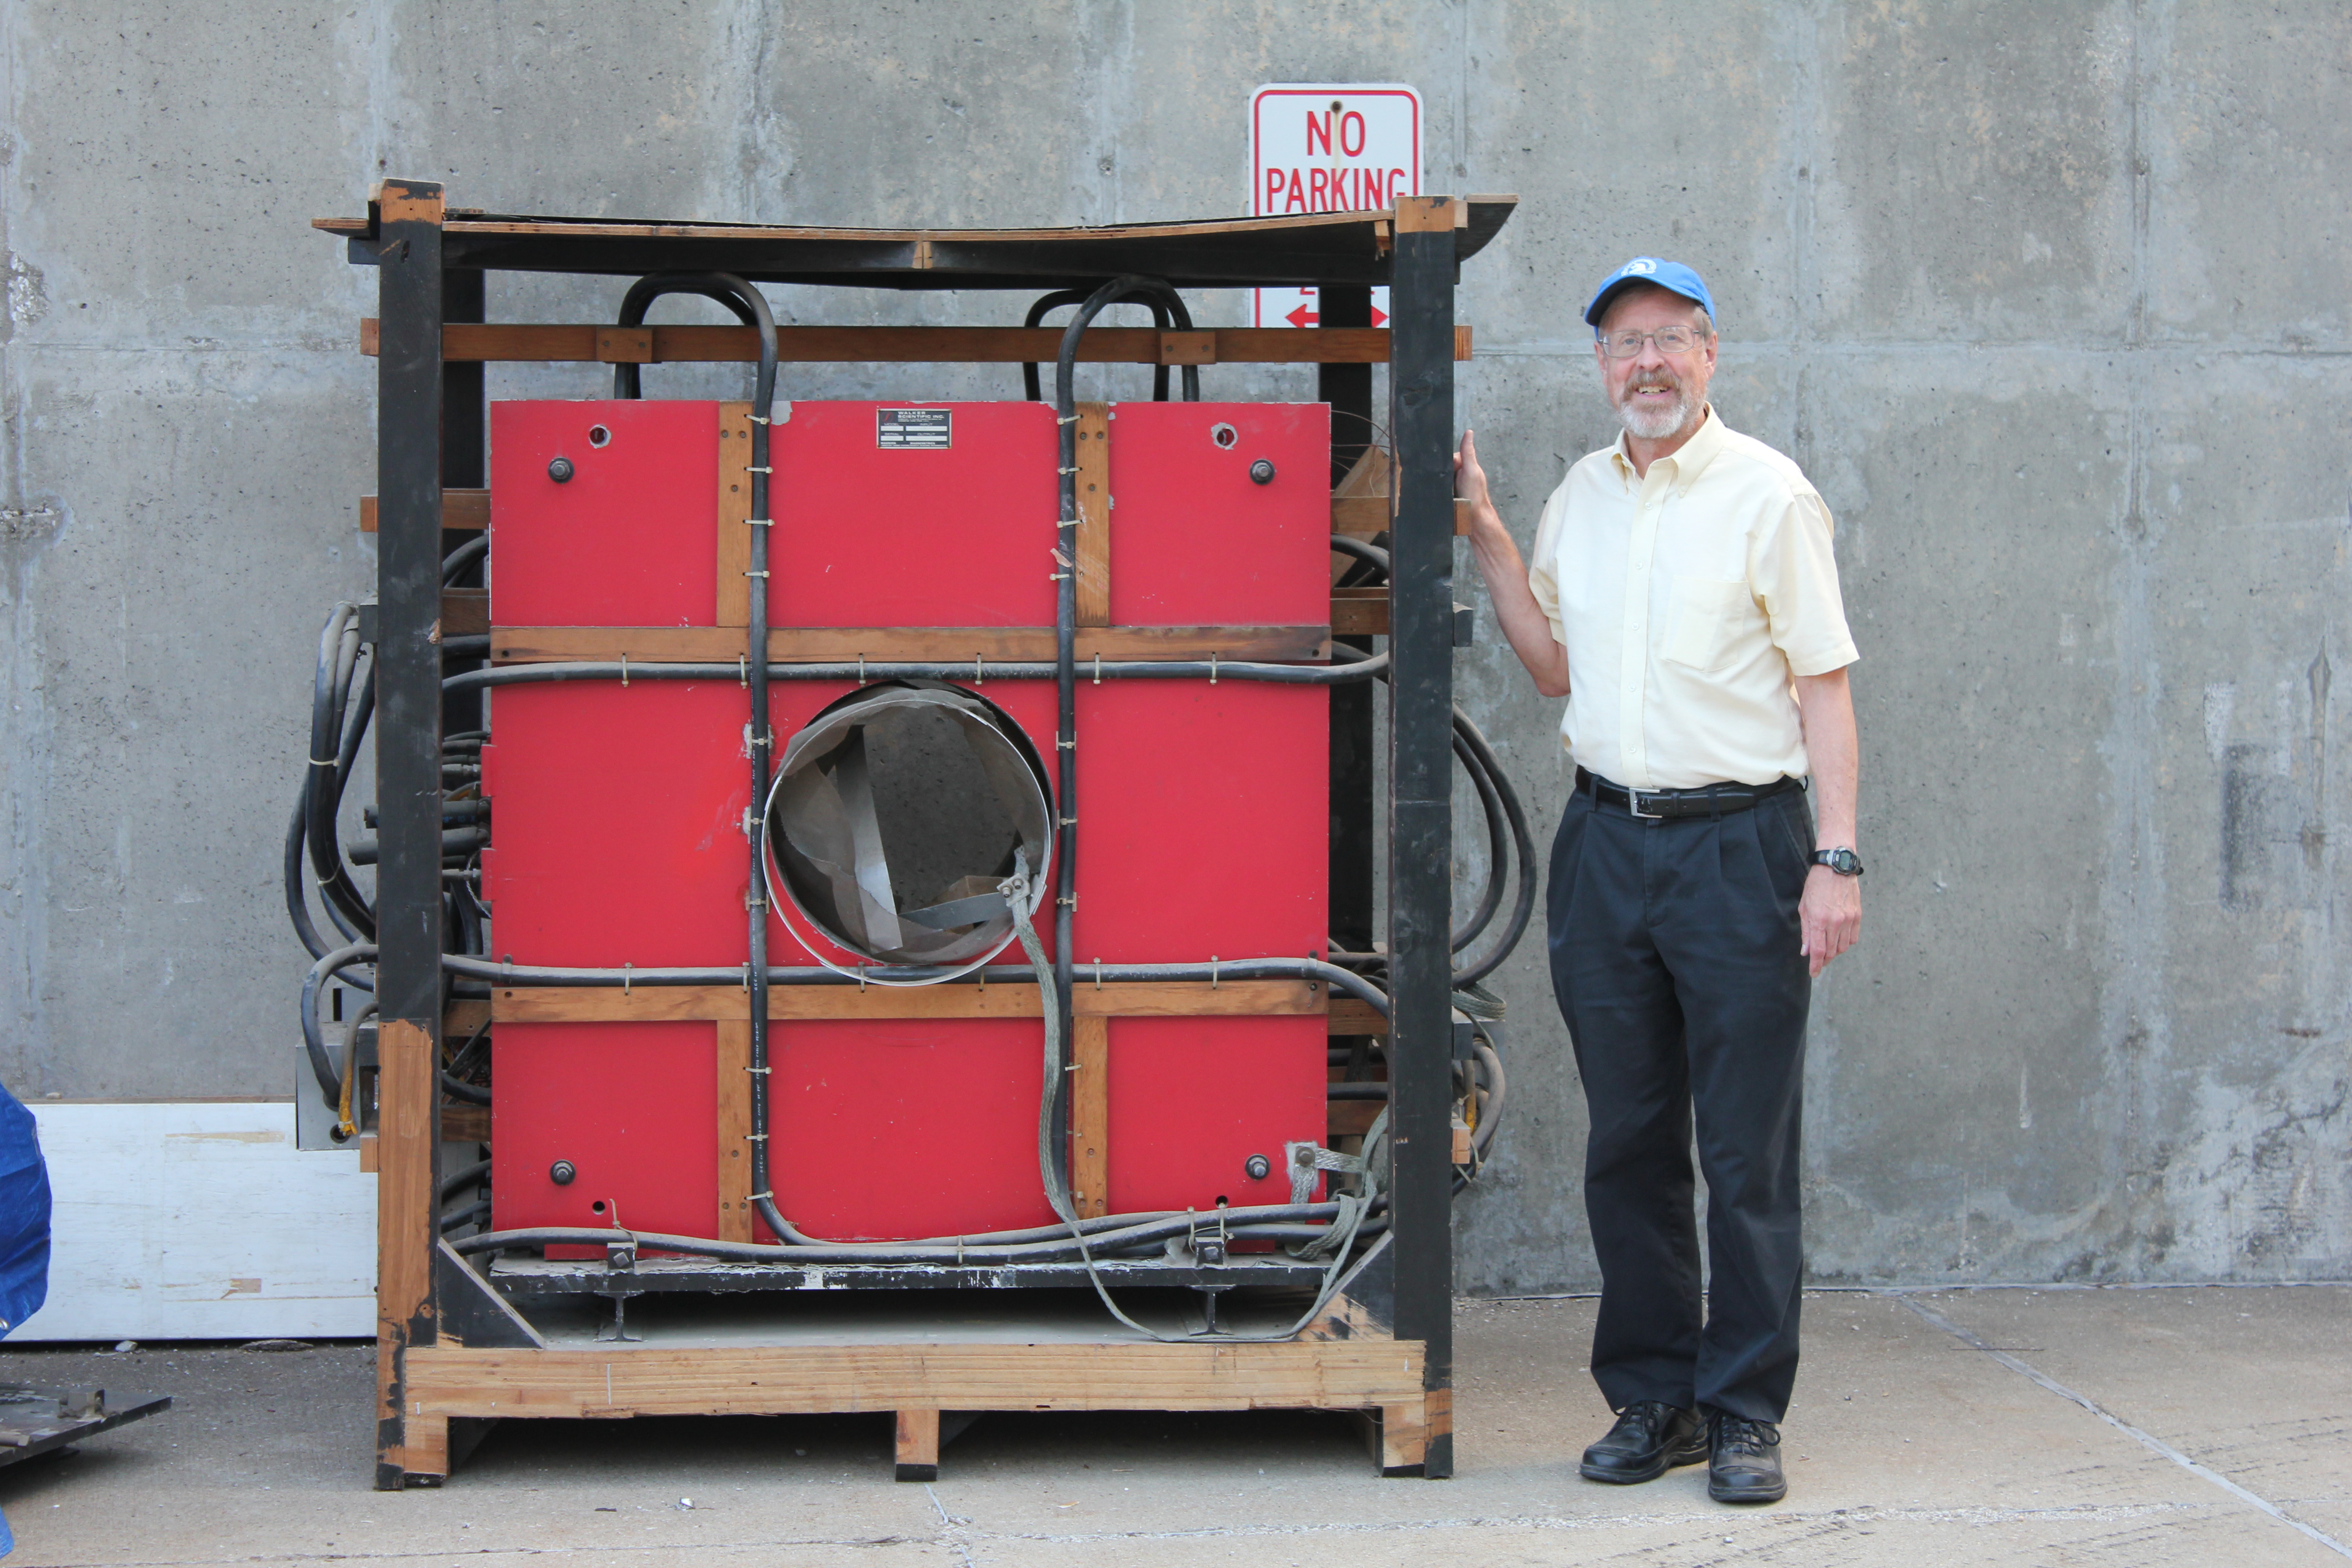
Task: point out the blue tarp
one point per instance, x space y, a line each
24 1214
24 1230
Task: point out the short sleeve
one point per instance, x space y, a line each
1543 581
1793 572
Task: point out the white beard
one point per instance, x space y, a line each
1654 424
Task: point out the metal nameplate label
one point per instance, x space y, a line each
910 427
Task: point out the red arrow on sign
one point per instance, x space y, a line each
1305 316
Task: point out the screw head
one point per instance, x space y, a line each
560 470
1261 471
561 1173
1258 1167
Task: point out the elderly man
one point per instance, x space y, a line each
1683 598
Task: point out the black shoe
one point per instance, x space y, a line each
1649 1438
1743 1460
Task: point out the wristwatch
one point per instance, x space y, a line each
1841 860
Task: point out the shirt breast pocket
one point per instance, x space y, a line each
1704 621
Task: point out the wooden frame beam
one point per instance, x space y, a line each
410 393
1359 517
790 1004
919 645
811 1379
1421 789
519 343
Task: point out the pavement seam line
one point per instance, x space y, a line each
2149 1440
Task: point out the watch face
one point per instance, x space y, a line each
1846 862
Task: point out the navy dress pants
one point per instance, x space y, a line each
1675 954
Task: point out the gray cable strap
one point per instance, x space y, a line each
1306 1159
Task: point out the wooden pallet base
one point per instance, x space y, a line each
1380 1379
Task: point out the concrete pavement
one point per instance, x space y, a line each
2125 1426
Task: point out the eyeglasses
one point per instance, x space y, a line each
1670 340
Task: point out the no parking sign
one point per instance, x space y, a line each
1330 148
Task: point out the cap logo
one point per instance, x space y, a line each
1641 267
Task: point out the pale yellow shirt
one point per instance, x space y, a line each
1686 599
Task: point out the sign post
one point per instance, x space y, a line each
1330 148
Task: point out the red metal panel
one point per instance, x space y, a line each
635 1108
866 536
898 1130
619 810
1194 542
1202 821
618 823
1192 1099
630 540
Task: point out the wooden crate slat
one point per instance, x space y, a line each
683 1004
511 342
808 1379
926 645
1093 552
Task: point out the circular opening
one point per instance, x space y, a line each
1223 434
596 1208
896 816
599 437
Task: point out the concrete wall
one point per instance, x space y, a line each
2051 300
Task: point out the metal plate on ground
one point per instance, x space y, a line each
35 1421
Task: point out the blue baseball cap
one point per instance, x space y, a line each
1671 276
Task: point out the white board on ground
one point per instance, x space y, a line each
1330 147
200 1220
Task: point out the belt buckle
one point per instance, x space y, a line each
1633 805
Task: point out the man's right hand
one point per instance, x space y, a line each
1522 619
1470 483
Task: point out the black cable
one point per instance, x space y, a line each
1066 625
298 898
458 1180
475 1210
1183 320
1057 301
458 1089
750 307
458 560
1524 846
323 1066
337 652
954 1250
1374 666
1363 550
719 286
1497 846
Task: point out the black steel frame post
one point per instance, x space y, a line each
410 389
465 453
1347 388
1420 805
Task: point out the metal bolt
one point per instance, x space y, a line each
1258 1167
560 470
1261 471
561 1173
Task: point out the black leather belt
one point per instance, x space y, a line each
1668 804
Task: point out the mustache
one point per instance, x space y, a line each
1653 381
